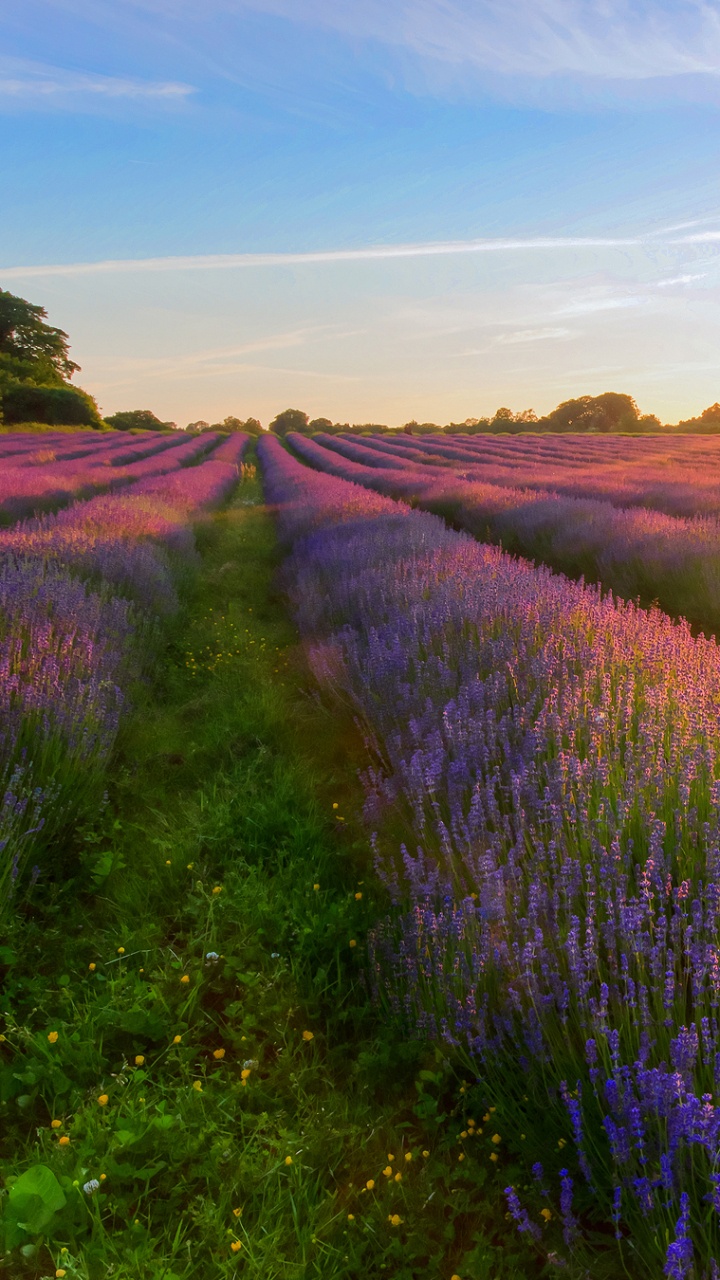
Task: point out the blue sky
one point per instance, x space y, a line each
369 210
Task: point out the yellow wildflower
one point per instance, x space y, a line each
139 1059
398 1177
493 1155
92 967
316 887
408 1156
237 1213
197 1086
352 943
245 1073
218 888
335 804
103 1177
370 1184
60 1271
121 951
496 1138
56 1124
425 1155
546 1214
394 1219
64 1141
236 1246
52 1037
288 1159
351 1217
390 1156
103 1100
308 1036
218 1053
177 1039
185 977
387 1171
358 896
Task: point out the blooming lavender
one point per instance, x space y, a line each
77 590
553 758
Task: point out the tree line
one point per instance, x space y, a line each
35 386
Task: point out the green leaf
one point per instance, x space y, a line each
32 1202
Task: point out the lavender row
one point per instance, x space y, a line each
69 647
29 489
632 551
681 482
554 760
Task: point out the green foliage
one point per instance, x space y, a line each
289 420
610 411
138 420
194 1116
36 346
26 402
251 426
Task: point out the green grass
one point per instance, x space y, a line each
231 830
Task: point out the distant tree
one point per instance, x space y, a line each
38 352
57 406
527 415
251 426
610 411
410 427
320 424
289 420
651 422
138 420
504 415
706 423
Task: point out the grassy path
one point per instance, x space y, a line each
188 1045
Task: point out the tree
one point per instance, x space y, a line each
137 420
610 411
38 351
504 415
320 424
251 426
57 406
289 420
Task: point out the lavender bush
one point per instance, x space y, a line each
551 760
70 643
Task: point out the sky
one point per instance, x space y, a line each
370 210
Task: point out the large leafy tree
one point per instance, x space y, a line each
289 420
30 349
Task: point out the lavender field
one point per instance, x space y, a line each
470 962
80 584
542 796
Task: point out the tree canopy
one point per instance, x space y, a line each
31 350
289 420
137 419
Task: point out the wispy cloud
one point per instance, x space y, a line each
597 38
22 82
686 279
531 335
229 261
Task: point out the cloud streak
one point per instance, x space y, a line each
373 253
370 253
20 81
598 38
